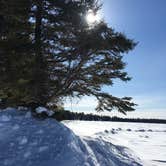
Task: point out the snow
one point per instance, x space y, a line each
23 140
27 154
28 141
5 118
28 114
16 127
147 141
43 148
40 110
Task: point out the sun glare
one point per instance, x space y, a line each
92 17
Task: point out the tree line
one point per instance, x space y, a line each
68 115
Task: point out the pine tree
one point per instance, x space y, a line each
52 22
86 58
40 77
15 52
49 52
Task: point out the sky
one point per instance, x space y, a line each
145 22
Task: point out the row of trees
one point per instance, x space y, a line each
68 115
48 52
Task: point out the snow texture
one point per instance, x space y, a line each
147 141
28 141
40 110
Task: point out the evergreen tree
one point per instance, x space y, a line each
15 52
50 52
53 21
40 74
86 58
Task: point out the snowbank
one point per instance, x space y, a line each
40 110
27 141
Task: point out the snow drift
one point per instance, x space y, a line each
28 141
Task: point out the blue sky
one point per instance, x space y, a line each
145 22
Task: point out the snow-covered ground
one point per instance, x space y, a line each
28 141
147 141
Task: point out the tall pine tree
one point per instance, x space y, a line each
86 58
16 58
60 53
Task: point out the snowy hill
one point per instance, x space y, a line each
27 141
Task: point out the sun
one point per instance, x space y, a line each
92 18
